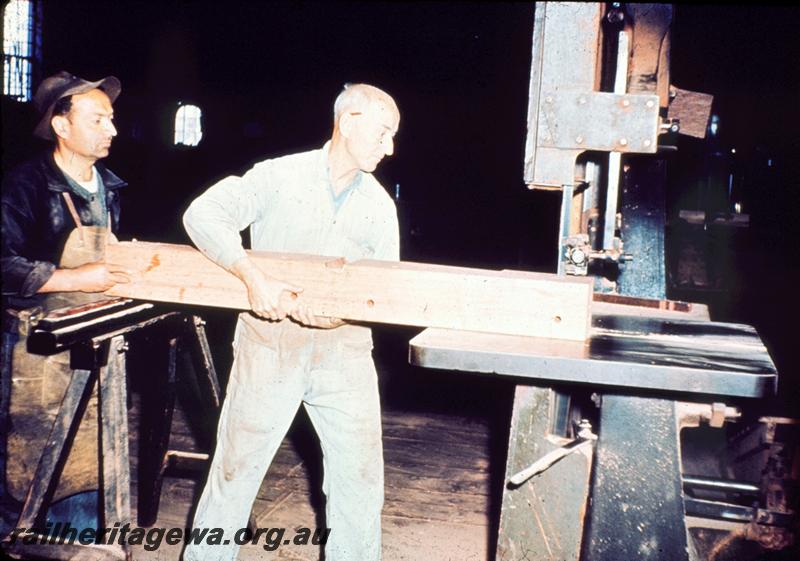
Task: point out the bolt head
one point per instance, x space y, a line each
578 256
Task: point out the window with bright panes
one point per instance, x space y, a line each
22 32
188 125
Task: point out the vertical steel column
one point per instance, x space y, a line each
643 202
637 496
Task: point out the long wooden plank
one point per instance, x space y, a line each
403 293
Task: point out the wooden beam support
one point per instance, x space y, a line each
404 293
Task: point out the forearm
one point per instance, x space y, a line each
245 270
91 277
62 280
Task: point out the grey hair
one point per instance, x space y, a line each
352 97
357 97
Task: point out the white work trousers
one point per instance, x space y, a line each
337 383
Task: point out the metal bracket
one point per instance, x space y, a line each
577 254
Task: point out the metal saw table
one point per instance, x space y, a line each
625 500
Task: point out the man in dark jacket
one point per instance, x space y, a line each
36 217
44 200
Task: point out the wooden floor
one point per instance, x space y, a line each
442 495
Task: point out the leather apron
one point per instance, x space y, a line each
38 385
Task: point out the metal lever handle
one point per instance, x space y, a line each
585 439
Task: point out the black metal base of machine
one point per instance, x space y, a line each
636 508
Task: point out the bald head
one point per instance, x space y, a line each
356 98
365 120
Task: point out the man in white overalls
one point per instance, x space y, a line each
58 211
325 202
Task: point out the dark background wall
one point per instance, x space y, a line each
265 75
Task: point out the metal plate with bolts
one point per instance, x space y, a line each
599 121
